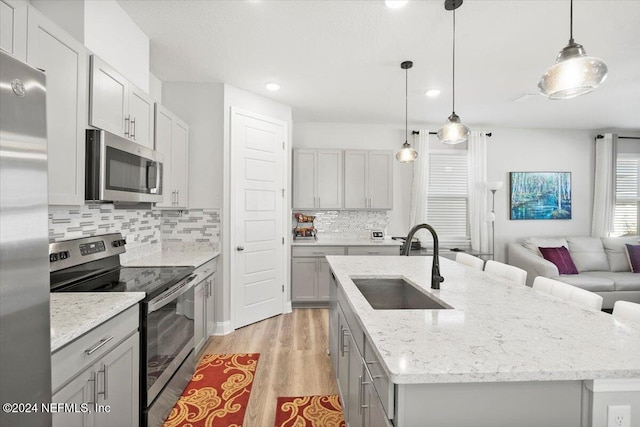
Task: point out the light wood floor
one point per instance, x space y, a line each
293 359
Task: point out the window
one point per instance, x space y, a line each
627 210
447 197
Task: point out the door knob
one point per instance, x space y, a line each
239 248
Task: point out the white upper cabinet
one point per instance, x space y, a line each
118 106
13 27
64 62
368 182
172 140
317 179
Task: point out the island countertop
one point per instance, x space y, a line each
496 331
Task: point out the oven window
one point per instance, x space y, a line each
128 172
169 331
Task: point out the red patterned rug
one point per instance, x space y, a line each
309 411
217 394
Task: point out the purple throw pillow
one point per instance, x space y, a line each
633 253
561 258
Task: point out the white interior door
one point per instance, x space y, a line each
257 221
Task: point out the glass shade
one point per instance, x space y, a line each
573 74
453 132
494 185
406 154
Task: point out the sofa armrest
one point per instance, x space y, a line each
532 263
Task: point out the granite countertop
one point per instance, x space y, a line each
76 313
495 332
345 242
193 258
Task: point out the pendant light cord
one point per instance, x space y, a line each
571 23
406 105
453 106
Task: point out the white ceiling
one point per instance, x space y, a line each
339 61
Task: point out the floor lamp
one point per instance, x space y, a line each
493 186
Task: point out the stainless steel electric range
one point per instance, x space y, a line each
167 359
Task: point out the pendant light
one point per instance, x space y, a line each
406 154
574 73
454 131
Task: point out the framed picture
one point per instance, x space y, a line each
540 195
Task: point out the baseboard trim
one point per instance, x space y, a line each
223 328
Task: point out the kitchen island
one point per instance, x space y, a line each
502 355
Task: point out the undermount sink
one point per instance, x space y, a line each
395 294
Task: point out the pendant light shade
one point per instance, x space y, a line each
406 154
453 131
574 73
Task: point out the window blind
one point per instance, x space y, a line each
447 200
627 208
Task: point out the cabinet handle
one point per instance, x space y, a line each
318 253
105 382
95 387
133 126
178 197
319 204
343 340
127 123
95 348
360 393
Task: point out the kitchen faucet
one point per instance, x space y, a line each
436 278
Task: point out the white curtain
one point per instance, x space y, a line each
478 210
420 184
604 198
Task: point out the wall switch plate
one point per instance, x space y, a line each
618 416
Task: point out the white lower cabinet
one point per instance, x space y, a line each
98 375
203 316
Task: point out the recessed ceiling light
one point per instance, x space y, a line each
395 4
272 87
432 93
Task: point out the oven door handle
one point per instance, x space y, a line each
170 295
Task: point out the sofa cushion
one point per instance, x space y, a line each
589 282
561 258
616 251
533 243
622 281
588 253
633 254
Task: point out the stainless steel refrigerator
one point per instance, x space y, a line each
25 341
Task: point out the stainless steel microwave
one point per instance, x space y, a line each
118 170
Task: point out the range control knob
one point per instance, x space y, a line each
53 257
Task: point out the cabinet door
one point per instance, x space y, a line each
210 308
355 386
109 99
163 137
80 390
380 179
356 174
141 116
334 324
64 61
179 162
343 362
324 280
374 415
304 179
304 273
117 380
329 179
13 28
199 316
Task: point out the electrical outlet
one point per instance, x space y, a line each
619 416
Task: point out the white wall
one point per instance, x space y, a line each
200 105
532 150
112 35
155 88
357 136
68 14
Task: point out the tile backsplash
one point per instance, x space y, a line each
348 224
141 227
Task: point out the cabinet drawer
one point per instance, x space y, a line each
73 358
373 250
205 270
317 251
380 379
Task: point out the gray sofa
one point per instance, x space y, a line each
601 262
